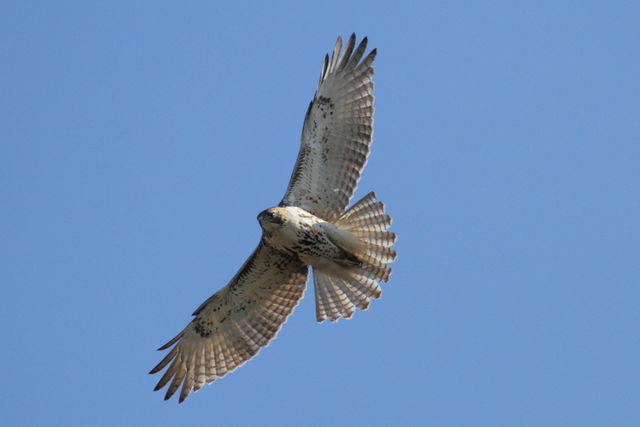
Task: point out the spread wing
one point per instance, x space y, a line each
336 135
231 326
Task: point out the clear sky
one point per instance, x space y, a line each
139 140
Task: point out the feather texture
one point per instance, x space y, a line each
336 135
234 324
338 297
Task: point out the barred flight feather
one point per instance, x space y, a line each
336 136
367 222
234 324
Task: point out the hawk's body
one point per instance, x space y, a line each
348 249
314 241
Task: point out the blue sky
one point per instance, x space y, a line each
138 141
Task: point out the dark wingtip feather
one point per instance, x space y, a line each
159 366
364 43
323 71
357 55
352 40
346 54
171 342
371 56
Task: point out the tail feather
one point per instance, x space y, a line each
331 303
380 254
376 272
356 296
367 223
370 285
373 223
365 205
380 238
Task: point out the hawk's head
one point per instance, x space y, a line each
272 218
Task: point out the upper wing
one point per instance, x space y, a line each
336 135
231 326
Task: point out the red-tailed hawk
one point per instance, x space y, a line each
348 250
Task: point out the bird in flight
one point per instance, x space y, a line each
347 249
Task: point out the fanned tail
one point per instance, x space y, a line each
362 233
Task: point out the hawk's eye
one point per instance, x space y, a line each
267 216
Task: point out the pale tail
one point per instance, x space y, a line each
338 297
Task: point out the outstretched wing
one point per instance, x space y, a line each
336 135
231 326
